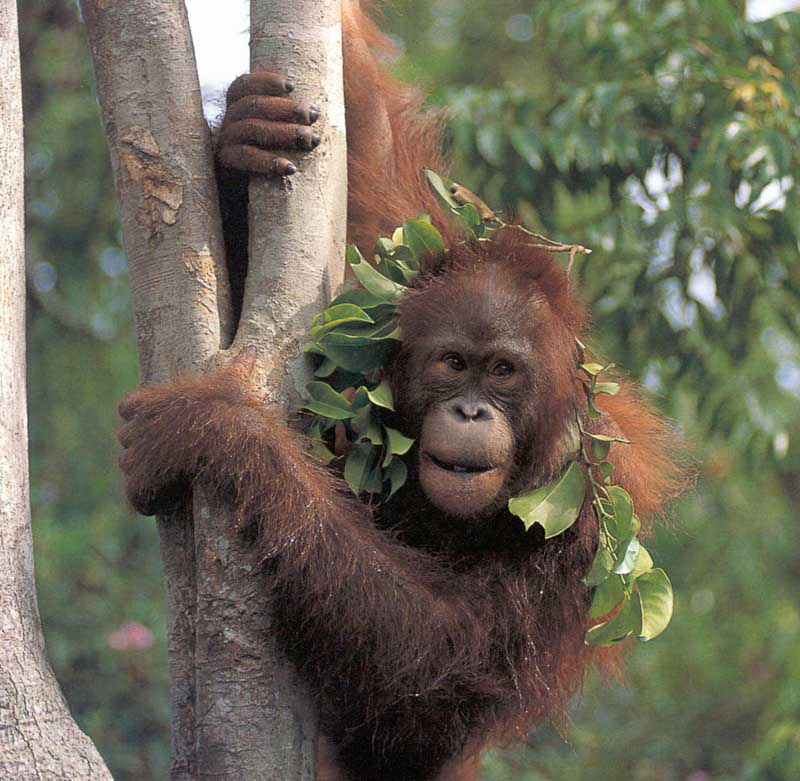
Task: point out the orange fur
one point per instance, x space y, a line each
390 139
653 467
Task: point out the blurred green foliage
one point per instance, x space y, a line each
661 134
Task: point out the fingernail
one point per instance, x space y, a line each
315 139
288 85
313 114
290 169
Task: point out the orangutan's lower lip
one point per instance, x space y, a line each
460 490
457 468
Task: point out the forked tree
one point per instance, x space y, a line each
238 710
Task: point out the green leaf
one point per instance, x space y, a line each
382 396
359 467
555 506
320 451
440 187
470 217
409 270
391 270
368 425
317 446
599 450
404 256
362 333
625 623
490 140
385 247
626 560
781 152
358 297
360 399
655 593
606 470
398 473
401 271
606 438
592 369
422 238
623 510
397 444
609 388
376 283
601 567
336 315
606 597
325 369
327 402
355 355
644 563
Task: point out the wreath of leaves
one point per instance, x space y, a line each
355 337
635 597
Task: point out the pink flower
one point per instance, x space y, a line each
131 636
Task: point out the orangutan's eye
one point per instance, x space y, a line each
455 362
502 369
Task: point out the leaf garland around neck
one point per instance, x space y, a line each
349 400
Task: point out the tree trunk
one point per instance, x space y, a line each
38 738
238 711
297 226
161 154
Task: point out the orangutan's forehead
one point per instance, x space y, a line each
482 320
474 323
490 302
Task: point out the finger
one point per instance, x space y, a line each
274 109
270 135
253 160
259 82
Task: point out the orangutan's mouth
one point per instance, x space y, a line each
458 468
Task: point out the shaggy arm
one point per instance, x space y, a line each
350 582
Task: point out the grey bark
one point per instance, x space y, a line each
297 233
298 225
161 154
237 710
38 737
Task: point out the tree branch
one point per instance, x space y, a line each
298 225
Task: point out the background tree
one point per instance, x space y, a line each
716 696
40 739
